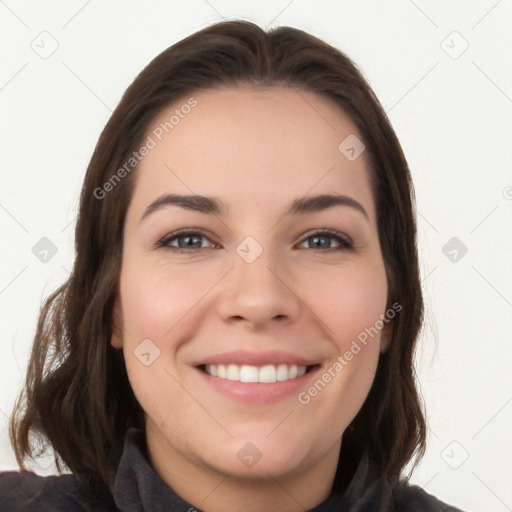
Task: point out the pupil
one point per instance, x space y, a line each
187 241
317 238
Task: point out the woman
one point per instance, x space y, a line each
239 327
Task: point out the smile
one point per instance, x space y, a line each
247 373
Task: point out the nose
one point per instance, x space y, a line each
259 294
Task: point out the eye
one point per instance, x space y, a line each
185 241
322 240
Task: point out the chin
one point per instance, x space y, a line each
256 458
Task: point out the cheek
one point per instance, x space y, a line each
350 307
347 300
155 303
156 298
350 302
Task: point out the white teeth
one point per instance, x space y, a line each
245 373
233 372
282 372
267 373
249 374
221 371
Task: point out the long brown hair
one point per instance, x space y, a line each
77 395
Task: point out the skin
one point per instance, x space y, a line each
256 150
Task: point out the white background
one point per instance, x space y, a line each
452 116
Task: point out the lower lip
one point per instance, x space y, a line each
257 392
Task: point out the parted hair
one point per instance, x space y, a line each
77 396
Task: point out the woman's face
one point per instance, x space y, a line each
252 288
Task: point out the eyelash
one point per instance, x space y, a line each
345 244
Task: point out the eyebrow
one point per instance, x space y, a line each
214 206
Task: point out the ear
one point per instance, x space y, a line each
116 339
385 336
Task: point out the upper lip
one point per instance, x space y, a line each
251 358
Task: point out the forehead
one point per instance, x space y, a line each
252 146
